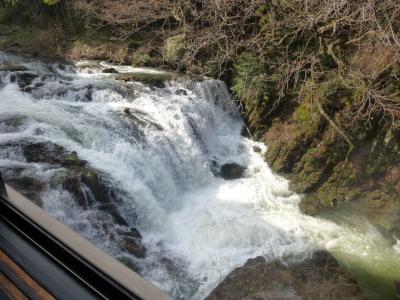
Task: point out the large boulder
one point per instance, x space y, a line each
173 48
131 242
113 211
109 70
232 171
28 186
319 277
24 81
46 152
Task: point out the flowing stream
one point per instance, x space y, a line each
196 227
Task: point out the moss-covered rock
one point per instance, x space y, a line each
173 48
319 277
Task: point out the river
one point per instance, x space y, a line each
161 165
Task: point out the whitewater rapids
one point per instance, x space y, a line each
196 227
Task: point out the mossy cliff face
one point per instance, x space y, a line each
326 103
313 156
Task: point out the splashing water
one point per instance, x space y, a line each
196 227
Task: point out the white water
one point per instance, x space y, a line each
196 227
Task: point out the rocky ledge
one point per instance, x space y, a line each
319 277
86 185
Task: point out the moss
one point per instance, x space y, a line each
308 119
140 59
250 82
212 67
173 48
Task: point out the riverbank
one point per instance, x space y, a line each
314 116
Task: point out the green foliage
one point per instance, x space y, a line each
266 18
212 67
140 59
303 113
250 81
50 2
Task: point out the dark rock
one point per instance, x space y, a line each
397 287
28 186
181 92
27 89
62 67
13 78
214 168
256 149
132 232
74 186
110 70
52 154
141 120
152 79
319 277
39 84
87 187
232 171
135 233
99 190
25 79
112 210
88 97
245 132
12 67
131 241
132 244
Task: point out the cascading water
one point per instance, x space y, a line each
158 148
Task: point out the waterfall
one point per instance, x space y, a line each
160 149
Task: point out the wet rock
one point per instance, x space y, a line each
152 79
62 67
232 171
181 92
24 80
245 132
50 153
12 124
256 149
112 210
319 277
131 242
88 96
38 85
99 190
74 186
28 186
12 67
88 189
375 199
141 119
110 70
